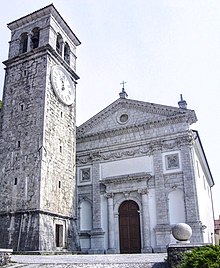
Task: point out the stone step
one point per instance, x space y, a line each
90 261
91 265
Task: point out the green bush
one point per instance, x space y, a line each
202 257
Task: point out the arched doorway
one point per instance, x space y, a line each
129 227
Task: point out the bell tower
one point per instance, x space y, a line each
37 142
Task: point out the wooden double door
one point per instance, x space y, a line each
129 227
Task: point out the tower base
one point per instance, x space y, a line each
38 231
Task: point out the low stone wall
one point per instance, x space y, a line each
5 256
175 252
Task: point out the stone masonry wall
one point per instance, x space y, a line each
58 165
22 133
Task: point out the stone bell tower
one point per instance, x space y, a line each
37 142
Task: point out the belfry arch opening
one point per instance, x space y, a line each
67 53
35 37
59 44
23 42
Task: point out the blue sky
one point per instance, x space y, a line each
160 48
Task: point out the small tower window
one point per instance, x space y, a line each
59 44
60 149
15 181
59 185
35 37
23 42
67 53
19 144
22 107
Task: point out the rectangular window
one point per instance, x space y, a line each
197 165
15 181
19 144
204 182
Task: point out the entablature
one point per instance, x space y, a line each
134 149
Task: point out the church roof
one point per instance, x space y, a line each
128 113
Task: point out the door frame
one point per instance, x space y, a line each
118 221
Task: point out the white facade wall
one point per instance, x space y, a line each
127 167
204 200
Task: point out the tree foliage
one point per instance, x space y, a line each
0 104
202 257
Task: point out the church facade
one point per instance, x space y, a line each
141 169
115 184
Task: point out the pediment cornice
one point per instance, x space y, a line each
168 114
180 118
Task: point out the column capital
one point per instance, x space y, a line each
143 191
109 195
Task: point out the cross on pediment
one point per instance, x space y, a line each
123 94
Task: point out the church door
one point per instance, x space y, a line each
129 227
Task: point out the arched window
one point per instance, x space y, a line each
67 53
23 42
35 37
176 206
59 44
85 216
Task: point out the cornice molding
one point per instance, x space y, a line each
127 178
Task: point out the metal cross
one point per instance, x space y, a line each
123 84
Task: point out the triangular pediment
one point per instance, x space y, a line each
127 113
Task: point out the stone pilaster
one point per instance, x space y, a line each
29 42
111 229
97 234
145 222
162 229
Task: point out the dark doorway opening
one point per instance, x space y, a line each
59 235
129 227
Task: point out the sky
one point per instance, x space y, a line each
161 48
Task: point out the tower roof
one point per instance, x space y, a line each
48 10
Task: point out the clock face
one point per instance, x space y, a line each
62 85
